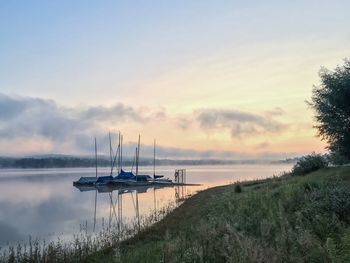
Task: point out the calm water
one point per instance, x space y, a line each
43 203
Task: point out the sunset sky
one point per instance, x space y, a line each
208 79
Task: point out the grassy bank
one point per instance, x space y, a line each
286 219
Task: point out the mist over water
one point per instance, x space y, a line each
43 203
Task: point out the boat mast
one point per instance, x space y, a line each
121 154
96 156
138 157
154 159
134 160
114 159
110 149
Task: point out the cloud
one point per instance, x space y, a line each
117 112
262 145
22 117
240 123
277 111
9 107
184 122
25 117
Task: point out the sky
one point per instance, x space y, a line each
207 79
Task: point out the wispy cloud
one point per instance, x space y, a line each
118 112
240 123
262 145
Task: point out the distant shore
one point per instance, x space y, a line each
83 162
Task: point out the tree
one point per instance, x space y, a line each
331 103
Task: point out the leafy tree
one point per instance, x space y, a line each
331 103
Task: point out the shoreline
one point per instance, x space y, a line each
257 221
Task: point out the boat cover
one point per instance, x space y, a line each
125 175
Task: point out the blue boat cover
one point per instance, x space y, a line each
125 175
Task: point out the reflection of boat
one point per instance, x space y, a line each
115 195
110 188
85 188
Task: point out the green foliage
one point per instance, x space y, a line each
330 101
309 163
286 219
238 188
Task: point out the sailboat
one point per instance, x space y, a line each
122 177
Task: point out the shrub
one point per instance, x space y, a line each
238 188
309 163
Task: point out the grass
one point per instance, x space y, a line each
281 219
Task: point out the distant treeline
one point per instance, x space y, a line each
64 161
50 162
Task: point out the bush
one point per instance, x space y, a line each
238 188
309 163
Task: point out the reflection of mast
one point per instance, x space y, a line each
136 207
177 193
95 210
120 209
154 203
137 210
112 210
116 207
180 193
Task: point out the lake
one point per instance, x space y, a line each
44 204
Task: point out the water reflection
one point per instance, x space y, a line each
44 204
115 199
